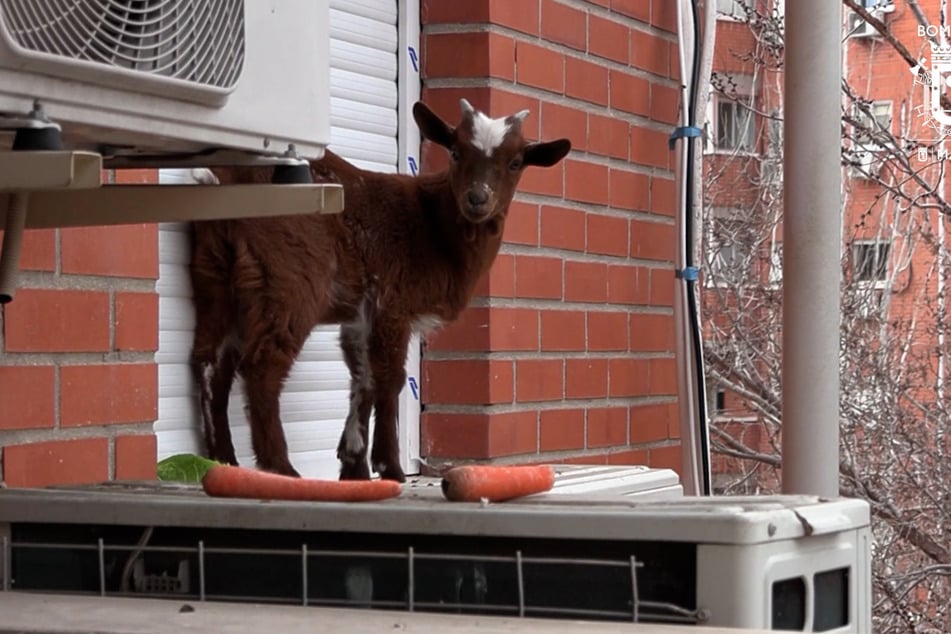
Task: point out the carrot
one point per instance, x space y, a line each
240 482
472 483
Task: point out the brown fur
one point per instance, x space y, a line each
402 249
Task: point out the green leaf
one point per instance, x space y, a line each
184 467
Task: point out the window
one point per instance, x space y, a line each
858 27
728 248
870 261
732 9
873 123
733 126
776 264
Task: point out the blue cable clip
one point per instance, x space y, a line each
689 131
690 273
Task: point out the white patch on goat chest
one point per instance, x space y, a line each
488 134
424 324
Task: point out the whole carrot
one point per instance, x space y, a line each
472 483
240 482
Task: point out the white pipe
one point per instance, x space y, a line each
813 238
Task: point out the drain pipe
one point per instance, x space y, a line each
695 65
811 249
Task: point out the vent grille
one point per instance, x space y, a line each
196 41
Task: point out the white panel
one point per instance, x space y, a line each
364 99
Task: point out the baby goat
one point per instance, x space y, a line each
403 256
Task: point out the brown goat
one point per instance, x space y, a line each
403 256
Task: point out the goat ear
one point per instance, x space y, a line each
546 154
431 126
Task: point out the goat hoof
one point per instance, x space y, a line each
391 472
354 470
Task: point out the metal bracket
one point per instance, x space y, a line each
64 189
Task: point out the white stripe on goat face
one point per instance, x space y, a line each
488 134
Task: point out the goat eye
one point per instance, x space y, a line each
454 154
515 165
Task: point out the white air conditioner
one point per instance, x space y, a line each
860 28
867 162
607 543
127 77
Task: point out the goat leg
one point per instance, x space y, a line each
263 381
387 358
352 449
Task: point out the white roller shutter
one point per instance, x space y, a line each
373 43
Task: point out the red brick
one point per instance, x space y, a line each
599 458
487 55
56 462
586 182
663 377
649 147
563 330
563 24
120 251
468 381
538 277
628 285
586 80
521 226
500 280
629 377
540 67
608 39
478 436
545 181
652 332
628 457
513 329
586 378
664 15
673 422
607 331
586 282
30 396
663 196
630 93
607 427
607 235
137 321
608 136
653 240
136 457
649 423
665 103
637 9
452 11
513 433
38 250
650 53
107 394
521 16
563 228
629 190
561 429
668 457
562 122
57 321
539 380
662 287
135 176
469 332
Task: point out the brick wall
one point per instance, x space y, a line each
79 384
567 354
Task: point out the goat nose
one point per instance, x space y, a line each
477 197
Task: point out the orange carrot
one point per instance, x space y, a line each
240 482
472 483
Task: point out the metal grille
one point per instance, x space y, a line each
121 570
197 41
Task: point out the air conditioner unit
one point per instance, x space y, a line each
127 77
867 162
607 543
860 28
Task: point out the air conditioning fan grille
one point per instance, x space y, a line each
196 41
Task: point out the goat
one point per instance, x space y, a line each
403 256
